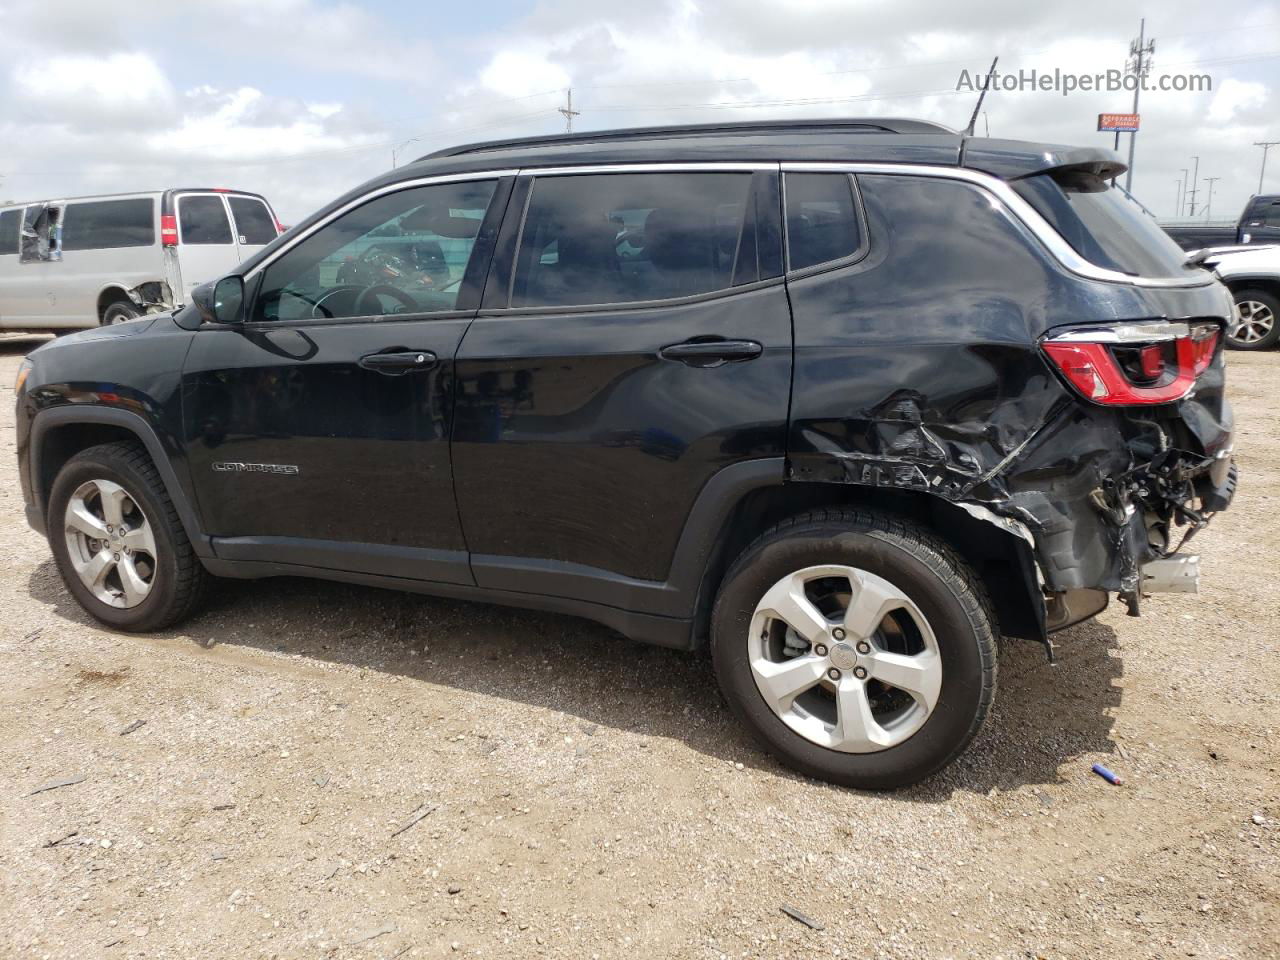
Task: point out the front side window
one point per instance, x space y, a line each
254 224
104 224
822 219
628 237
10 230
203 220
41 234
402 253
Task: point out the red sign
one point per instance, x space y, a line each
1123 122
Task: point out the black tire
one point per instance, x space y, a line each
1272 303
920 565
179 579
119 311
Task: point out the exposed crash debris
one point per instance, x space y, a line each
154 296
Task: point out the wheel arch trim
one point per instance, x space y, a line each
48 420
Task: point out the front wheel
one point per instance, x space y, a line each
117 540
1256 325
857 648
120 311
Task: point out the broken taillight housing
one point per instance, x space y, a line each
1132 364
169 230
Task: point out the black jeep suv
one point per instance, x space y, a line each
844 399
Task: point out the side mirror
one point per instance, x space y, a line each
221 302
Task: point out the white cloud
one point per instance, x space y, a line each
516 74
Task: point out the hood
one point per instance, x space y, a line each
1252 260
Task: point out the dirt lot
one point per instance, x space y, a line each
578 796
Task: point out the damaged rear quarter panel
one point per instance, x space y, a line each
919 368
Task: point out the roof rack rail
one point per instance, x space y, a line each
855 124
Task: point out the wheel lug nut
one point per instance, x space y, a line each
838 633
833 673
864 647
860 672
820 650
115 557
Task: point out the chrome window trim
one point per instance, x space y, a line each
1020 209
373 195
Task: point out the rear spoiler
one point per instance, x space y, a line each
1016 159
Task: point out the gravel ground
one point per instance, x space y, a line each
332 771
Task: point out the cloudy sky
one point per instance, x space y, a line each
302 99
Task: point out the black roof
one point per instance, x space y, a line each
862 140
682 131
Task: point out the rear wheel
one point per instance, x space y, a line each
117 540
857 648
119 311
1256 325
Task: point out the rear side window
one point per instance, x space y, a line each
203 220
822 219
1104 224
10 230
254 223
105 224
625 238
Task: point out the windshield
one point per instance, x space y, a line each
1104 224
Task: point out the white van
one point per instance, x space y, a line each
81 262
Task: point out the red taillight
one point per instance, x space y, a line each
1202 347
1152 360
169 230
280 228
1088 360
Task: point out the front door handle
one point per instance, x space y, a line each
397 362
711 353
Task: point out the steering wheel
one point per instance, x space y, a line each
383 289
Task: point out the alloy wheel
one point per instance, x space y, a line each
845 658
110 543
1253 321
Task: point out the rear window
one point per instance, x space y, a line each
104 224
203 220
822 219
254 223
10 229
1104 224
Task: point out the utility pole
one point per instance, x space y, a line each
568 111
1140 52
1178 200
398 148
1208 207
1182 200
1195 183
1265 145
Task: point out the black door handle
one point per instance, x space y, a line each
396 363
711 353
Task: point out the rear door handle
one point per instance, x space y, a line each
711 353
397 362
